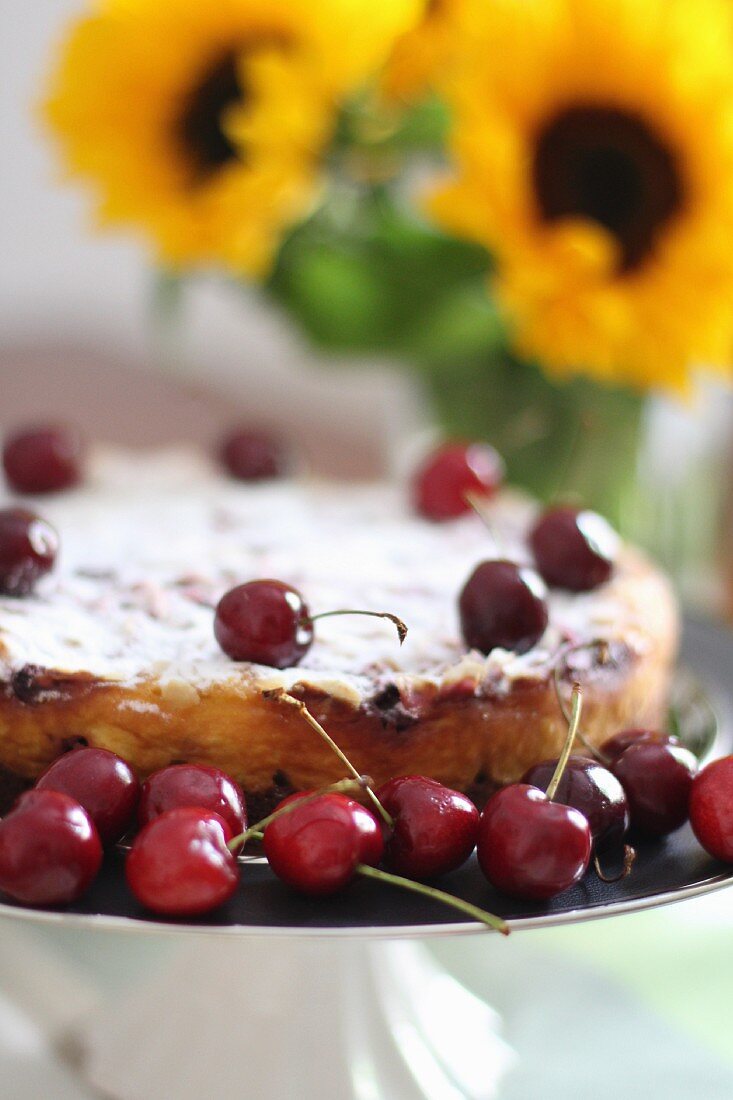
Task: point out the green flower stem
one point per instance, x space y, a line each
491 921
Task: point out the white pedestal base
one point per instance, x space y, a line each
292 1019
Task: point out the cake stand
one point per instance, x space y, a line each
291 998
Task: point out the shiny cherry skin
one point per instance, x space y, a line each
434 827
573 548
657 779
317 847
529 847
371 834
594 791
614 746
179 864
265 622
28 549
100 781
193 785
250 454
50 851
503 605
440 485
43 459
711 808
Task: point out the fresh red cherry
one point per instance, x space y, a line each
44 459
317 847
266 622
371 836
193 785
28 548
434 827
50 851
502 605
179 864
614 746
249 454
657 779
450 474
711 808
593 790
530 847
101 782
574 548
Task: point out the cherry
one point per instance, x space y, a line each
530 847
179 864
450 474
101 782
657 779
249 454
316 847
28 548
503 605
593 790
43 459
193 785
266 622
711 808
50 850
574 548
371 836
434 827
614 746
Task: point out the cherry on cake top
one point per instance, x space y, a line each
450 474
574 548
45 458
254 454
28 549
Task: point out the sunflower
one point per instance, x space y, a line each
422 53
593 142
204 124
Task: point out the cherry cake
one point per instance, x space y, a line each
115 645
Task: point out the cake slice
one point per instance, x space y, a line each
116 646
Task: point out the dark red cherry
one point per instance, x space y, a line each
711 808
612 748
265 622
250 454
657 779
28 549
434 827
441 484
371 835
530 847
574 548
193 785
179 864
50 851
103 783
502 605
43 459
594 791
317 847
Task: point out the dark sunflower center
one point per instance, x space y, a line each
200 128
609 166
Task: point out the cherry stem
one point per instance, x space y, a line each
577 706
478 504
556 674
285 697
629 857
491 921
254 832
401 628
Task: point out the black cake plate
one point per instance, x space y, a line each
665 871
